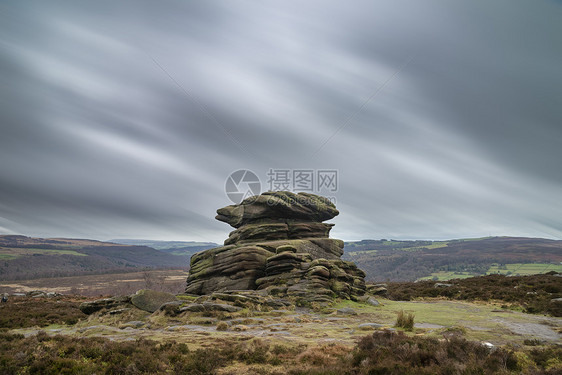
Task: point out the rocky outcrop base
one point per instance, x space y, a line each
279 246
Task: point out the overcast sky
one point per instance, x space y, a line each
124 119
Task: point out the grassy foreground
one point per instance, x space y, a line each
533 294
52 336
382 352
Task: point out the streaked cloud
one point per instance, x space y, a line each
124 119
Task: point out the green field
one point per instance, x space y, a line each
514 269
434 245
391 244
520 269
7 253
354 253
444 276
7 256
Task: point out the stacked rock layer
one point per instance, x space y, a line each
281 246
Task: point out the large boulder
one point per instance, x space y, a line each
280 246
226 268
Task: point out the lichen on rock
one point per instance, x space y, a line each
281 246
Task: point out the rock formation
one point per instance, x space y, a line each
280 246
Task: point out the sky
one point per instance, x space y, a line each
122 119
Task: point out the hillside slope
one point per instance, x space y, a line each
24 257
385 260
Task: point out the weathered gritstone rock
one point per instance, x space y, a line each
91 307
147 300
271 231
280 247
226 268
278 205
151 300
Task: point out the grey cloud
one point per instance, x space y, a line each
98 141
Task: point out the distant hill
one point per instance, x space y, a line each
173 247
24 257
390 260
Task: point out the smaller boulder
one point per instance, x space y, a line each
193 307
91 307
151 300
236 298
377 290
209 306
132 324
366 326
171 308
118 311
347 311
278 303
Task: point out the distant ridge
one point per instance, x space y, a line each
392 260
187 248
24 257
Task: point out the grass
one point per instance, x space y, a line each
479 319
434 245
518 269
383 352
22 312
484 321
446 276
315 343
475 239
15 252
444 313
511 269
353 253
533 294
390 244
405 320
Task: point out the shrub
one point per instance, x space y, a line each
222 326
532 342
383 352
533 293
256 352
22 312
405 320
387 352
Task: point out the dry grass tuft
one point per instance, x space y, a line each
405 320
